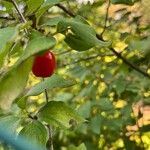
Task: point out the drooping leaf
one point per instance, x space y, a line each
59 114
13 83
46 5
33 6
120 85
52 21
35 132
54 81
7 36
104 104
10 122
82 37
95 124
79 18
76 43
85 109
37 45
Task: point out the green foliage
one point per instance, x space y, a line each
55 81
36 132
33 6
53 21
82 37
10 122
95 124
17 75
7 37
102 74
59 114
46 5
37 45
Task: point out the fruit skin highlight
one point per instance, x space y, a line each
44 64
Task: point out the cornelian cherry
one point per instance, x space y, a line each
44 65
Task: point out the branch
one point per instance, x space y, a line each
19 12
87 59
111 48
66 10
106 18
64 52
129 64
7 18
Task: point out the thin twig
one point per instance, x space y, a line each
111 48
50 140
106 18
67 51
7 18
87 59
66 10
129 63
20 14
46 95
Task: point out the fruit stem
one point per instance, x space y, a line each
46 96
50 130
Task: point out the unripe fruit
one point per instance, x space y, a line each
44 65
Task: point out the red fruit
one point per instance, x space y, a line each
44 65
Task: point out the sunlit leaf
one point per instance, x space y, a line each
54 81
13 83
59 114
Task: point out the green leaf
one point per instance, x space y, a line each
13 83
105 104
52 21
59 114
85 109
54 81
80 147
21 102
128 2
76 43
46 5
8 6
120 85
81 19
82 36
64 96
62 26
115 124
35 34
37 45
33 6
7 36
16 50
95 124
35 132
10 122
142 45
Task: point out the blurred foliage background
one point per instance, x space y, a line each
112 97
